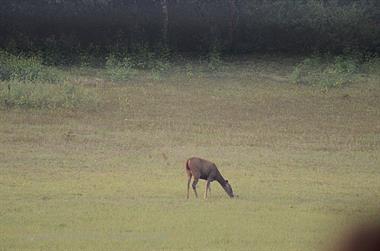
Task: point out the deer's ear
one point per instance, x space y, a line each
226 181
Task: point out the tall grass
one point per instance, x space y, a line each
26 82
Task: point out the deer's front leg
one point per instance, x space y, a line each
207 188
194 185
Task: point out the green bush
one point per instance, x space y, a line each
119 69
326 72
26 69
39 95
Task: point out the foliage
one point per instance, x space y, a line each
119 69
39 95
159 67
325 72
26 82
143 57
26 69
189 70
280 25
214 59
85 60
372 65
146 59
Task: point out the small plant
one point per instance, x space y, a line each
119 69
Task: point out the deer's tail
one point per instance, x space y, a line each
188 171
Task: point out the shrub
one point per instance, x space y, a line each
146 59
119 69
159 68
325 72
38 95
26 69
307 72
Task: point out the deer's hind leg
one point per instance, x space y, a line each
194 185
189 175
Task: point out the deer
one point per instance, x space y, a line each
206 170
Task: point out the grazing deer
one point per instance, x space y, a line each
205 170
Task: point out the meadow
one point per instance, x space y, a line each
303 160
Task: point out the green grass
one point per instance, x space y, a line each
304 163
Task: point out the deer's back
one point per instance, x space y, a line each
202 168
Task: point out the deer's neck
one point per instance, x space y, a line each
220 179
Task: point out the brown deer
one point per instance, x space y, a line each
205 170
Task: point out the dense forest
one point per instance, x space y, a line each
232 26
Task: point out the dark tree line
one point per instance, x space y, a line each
234 26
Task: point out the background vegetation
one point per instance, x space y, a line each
61 30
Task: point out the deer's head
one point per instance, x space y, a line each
227 187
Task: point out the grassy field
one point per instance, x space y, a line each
304 163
